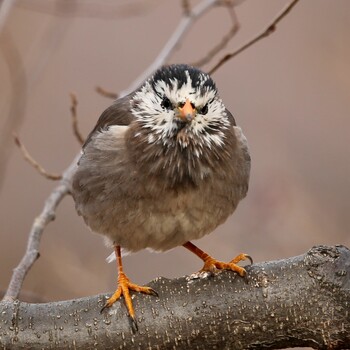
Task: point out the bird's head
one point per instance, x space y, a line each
180 105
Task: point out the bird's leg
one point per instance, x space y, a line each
124 287
211 264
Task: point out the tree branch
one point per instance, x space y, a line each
300 301
224 41
33 162
105 93
266 32
73 110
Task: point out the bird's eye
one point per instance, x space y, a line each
204 109
166 103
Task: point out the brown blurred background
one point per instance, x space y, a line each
290 93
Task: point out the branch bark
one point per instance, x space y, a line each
300 301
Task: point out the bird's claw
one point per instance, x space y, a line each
133 324
211 264
151 291
124 288
242 257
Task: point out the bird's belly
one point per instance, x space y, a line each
164 223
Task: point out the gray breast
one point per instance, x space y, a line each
139 207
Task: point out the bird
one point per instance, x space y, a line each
163 166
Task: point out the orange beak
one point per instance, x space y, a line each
187 112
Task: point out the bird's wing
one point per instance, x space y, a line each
231 118
117 114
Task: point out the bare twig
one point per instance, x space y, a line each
224 41
33 162
47 215
73 110
109 94
266 32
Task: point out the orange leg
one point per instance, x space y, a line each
211 264
124 287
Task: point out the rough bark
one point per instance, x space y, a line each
300 301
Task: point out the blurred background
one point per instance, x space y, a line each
290 93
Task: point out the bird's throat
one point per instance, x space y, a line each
182 138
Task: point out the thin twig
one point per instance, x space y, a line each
224 41
266 32
33 162
73 110
46 216
105 93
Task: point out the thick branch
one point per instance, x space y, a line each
300 301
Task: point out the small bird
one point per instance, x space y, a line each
163 166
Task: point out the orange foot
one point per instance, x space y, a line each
124 287
211 264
